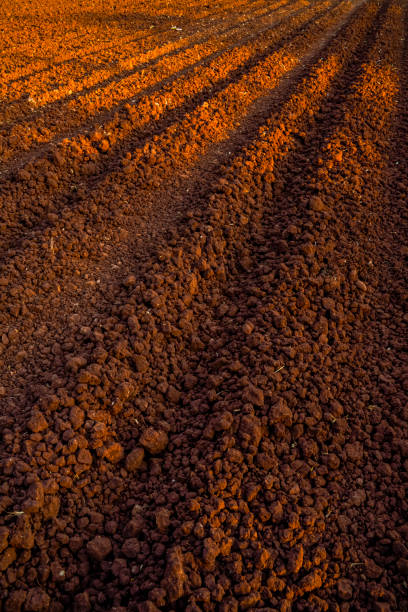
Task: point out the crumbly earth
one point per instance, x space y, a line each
203 290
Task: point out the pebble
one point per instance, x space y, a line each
345 589
37 423
134 459
154 441
99 548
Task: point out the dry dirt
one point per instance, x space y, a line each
203 288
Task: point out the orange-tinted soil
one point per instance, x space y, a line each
203 357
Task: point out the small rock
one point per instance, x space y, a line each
311 581
276 510
52 507
37 423
15 601
192 284
141 363
154 441
173 394
77 417
37 601
13 335
131 548
82 603
235 456
163 519
381 606
317 204
114 453
223 422
402 565
345 589
35 499
84 456
251 491
134 527
269 481
372 570
7 558
148 606
75 363
354 451
358 497
4 534
99 548
248 327
124 391
333 461
190 381
360 285
130 281
295 560
254 395
23 537
280 413
175 576
250 429
134 459
89 377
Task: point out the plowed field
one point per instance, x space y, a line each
203 289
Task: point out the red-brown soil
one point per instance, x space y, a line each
203 357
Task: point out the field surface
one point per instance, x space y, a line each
203 289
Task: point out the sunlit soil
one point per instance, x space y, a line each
203 378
